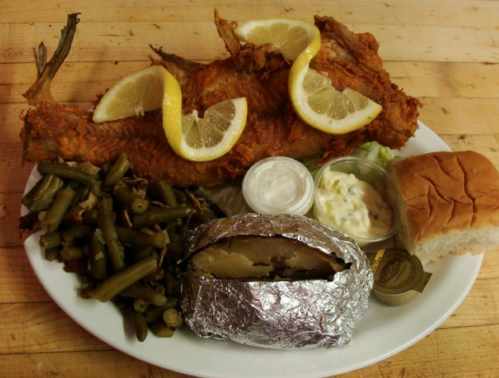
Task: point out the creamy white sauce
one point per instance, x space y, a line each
278 186
353 205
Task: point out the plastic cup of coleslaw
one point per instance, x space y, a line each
356 196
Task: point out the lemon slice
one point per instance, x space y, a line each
320 105
132 95
313 97
191 137
202 139
290 37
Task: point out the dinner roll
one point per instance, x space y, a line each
448 203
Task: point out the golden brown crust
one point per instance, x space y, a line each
258 73
443 192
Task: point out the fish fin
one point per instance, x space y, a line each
177 61
40 90
226 32
179 67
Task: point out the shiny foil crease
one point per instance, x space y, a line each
278 314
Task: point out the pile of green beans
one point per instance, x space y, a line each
122 234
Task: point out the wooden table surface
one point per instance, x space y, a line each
444 52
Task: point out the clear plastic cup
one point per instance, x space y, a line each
279 185
367 171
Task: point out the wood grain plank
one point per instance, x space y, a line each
487 145
460 115
74 81
480 308
129 41
434 50
17 279
442 79
426 12
42 327
83 81
14 173
104 364
442 353
9 224
45 328
460 353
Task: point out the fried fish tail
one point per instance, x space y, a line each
40 90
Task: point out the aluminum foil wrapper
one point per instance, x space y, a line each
278 314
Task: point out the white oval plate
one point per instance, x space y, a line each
383 332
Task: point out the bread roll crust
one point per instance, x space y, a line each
444 193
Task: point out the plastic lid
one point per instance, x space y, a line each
279 185
397 275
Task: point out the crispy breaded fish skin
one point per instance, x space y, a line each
259 73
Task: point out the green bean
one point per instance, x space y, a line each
54 215
71 215
28 197
73 184
160 329
180 196
172 318
124 278
106 223
132 237
105 168
98 256
90 216
145 293
65 171
77 232
96 189
84 291
128 198
82 194
155 312
117 171
72 253
140 325
173 236
105 204
160 288
52 240
206 215
44 194
114 248
164 192
52 254
144 252
156 216
140 305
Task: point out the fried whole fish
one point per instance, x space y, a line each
259 73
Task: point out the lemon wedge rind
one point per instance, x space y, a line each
288 36
132 96
178 139
349 110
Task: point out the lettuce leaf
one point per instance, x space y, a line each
375 152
